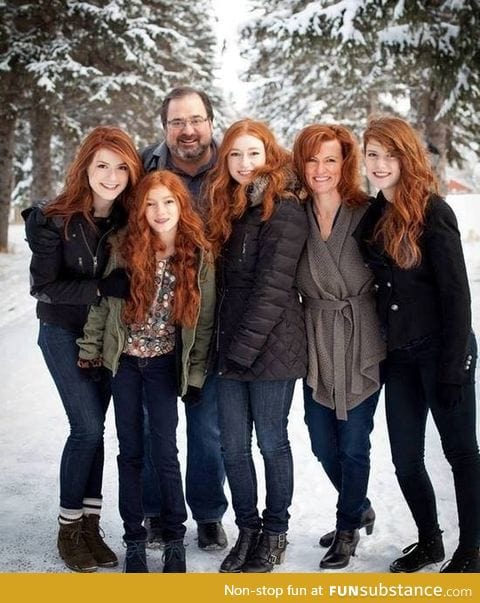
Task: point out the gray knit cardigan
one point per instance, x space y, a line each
343 332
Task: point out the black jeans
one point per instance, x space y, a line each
410 392
157 378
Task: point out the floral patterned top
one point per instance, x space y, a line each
156 336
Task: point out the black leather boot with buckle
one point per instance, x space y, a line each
269 551
241 552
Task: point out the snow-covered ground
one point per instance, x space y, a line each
33 429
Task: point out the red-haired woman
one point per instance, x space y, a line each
344 341
68 237
258 229
409 237
168 316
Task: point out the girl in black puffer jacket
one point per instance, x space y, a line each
68 238
258 229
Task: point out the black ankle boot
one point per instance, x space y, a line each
241 552
464 561
174 558
270 551
367 521
135 557
343 547
420 554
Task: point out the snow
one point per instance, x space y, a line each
33 429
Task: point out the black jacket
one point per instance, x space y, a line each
433 297
260 324
64 279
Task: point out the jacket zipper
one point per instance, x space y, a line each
93 255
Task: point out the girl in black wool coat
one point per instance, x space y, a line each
410 239
258 229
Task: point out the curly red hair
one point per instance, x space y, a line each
76 196
141 243
227 198
401 226
308 143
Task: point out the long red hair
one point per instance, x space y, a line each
308 143
228 198
401 226
76 196
141 243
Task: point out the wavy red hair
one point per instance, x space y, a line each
141 243
76 196
401 226
308 143
228 198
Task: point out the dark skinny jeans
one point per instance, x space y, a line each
410 392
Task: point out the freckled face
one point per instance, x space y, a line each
162 211
324 170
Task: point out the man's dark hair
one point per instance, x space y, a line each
180 92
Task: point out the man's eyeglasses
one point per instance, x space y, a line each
179 124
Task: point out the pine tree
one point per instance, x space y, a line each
69 65
342 60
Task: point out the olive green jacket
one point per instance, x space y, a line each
105 332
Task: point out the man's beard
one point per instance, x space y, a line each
189 154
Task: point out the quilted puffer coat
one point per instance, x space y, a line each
260 327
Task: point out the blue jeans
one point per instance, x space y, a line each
265 404
85 402
410 392
151 381
205 470
343 448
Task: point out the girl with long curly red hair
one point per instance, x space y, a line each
409 237
258 229
69 239
164 327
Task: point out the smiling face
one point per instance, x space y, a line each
246 155
108 176
189 143
324 169
162 211
383 168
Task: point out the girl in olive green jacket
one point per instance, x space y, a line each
168 316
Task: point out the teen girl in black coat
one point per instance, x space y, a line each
410 239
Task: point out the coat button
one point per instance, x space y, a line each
394 307
469 357
388 283
376 287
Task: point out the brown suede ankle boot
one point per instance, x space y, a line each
73 549
93 535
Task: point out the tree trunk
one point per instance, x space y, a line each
41 131
435 131
7 137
